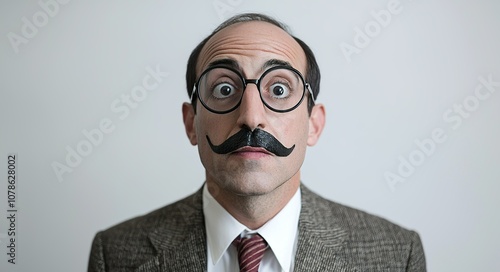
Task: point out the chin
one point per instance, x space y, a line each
253 186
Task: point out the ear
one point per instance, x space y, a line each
316 124
188 117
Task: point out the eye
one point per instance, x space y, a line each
279 90
223 90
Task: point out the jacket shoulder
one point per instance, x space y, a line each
372 242
359 223
172 214
127 244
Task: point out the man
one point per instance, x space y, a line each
252 114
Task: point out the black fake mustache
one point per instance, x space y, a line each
255 138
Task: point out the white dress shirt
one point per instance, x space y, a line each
281 234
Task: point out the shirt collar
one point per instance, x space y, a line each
221 227
280 232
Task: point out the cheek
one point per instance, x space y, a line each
216 128
292 131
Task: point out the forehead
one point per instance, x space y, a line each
251 45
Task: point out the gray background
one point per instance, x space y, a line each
65 78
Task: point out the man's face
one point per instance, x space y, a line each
252 171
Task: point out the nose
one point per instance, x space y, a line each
252 111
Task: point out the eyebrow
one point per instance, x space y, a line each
276 62
231 63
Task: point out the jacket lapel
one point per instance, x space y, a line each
180 243
320 238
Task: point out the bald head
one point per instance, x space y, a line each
252 44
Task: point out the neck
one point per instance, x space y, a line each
255 210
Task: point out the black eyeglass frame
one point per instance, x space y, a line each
246 81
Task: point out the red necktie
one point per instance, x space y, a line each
250 252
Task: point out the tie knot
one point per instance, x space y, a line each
250 252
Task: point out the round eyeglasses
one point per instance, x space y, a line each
220 89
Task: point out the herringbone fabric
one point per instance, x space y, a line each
331 237
250 252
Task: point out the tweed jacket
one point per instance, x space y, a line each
332 237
